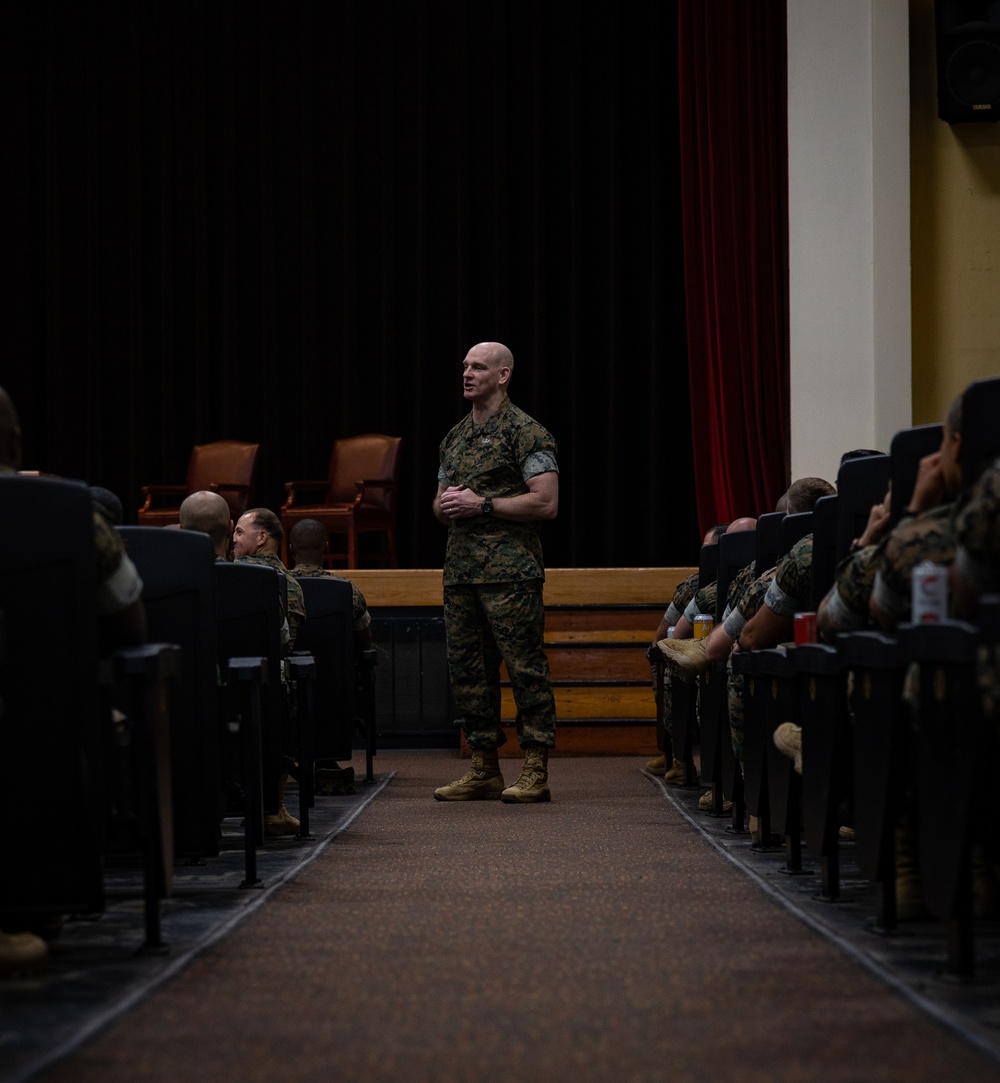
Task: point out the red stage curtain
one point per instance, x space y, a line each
733 153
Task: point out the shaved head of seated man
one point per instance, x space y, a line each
208 512
308 542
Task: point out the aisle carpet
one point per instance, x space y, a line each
599 937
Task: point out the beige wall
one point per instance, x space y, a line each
955 238
848 228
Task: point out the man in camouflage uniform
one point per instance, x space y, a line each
691 658
307 542
774 623
976 571
675 650
925 532
498 477
751 600
256 540
683 593
845 608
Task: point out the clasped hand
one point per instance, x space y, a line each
459 502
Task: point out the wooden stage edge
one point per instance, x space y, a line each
563 586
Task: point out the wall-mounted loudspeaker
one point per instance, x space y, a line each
968 59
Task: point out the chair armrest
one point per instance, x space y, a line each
151 491
228 487
372 483
294 488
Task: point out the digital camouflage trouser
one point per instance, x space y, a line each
734 688
734 693
488 624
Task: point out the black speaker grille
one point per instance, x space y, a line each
973 75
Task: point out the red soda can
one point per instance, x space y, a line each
805 628
929 598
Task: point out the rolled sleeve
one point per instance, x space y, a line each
121 589
734 624
840 615
780 602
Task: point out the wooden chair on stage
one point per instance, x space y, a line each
227 467
358 496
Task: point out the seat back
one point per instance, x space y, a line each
861 483
53 729
768 535
708 565
908 447
327 634
824 555
228 467
248 625
736 551
980 432
178 582
793 529
372 457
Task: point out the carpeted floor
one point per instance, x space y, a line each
601 937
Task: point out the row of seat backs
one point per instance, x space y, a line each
216 611
835 521
952 743
862 482
773 536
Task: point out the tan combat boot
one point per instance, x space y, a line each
788 741
657 765
533 785
483 783
685 658
22 954
282 822
677 772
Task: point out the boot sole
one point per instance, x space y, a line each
467 797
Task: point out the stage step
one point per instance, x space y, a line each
598 625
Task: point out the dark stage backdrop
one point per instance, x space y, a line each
287 222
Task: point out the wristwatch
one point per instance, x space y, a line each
487 506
